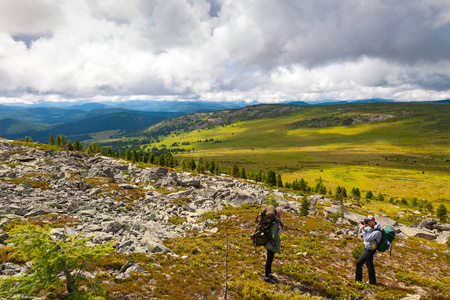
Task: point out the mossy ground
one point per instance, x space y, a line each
312 265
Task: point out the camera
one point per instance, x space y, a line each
365 222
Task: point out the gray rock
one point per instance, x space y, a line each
411 297
153 243
443 238
3 236
153 174
190 183
415 232
113 227
134 268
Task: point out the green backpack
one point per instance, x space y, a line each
388 235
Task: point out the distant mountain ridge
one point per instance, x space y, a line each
123 122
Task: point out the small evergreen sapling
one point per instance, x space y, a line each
304 209
49 259
442 213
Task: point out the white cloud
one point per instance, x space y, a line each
224 49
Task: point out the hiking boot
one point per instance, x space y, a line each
271 276
269 280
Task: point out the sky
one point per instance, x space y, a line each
224 50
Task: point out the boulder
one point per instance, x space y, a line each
153 243
113 227
153 174
189 183
416 232
443 238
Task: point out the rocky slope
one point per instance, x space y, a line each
109 199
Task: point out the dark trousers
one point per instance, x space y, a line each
366 258
270 256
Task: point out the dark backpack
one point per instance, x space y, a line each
264 220
387 236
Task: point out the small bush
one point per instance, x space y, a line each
271 201
175 220
358 251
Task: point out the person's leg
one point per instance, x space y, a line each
359 265
270 256
371 267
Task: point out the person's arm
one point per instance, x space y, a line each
371 235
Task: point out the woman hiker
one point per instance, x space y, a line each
274 245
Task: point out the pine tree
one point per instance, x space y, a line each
161 160
26 139
58 140
303 184
191 164
279 181
369 195
77 146
128 154
234 171
320 187
109 152
168 159
242 173
442 213
341 193
69 145
212 166
271 178
183 165
51 140
304 209
206 165
49 259
151 158
356 192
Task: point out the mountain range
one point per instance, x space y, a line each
83 120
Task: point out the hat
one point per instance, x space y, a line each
370 218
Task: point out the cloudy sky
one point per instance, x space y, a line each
259 50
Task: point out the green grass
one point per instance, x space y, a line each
407 156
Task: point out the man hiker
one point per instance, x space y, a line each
371 233
273 246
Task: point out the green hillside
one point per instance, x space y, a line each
104 126
397 149
14 129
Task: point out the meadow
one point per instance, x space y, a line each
405 155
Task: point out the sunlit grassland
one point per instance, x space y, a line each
398 159
101 136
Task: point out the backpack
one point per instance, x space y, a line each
264 220
387 236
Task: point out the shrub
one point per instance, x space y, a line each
442 213
356 192
369 195
358 251
304 210
50 258
271 201
175 220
